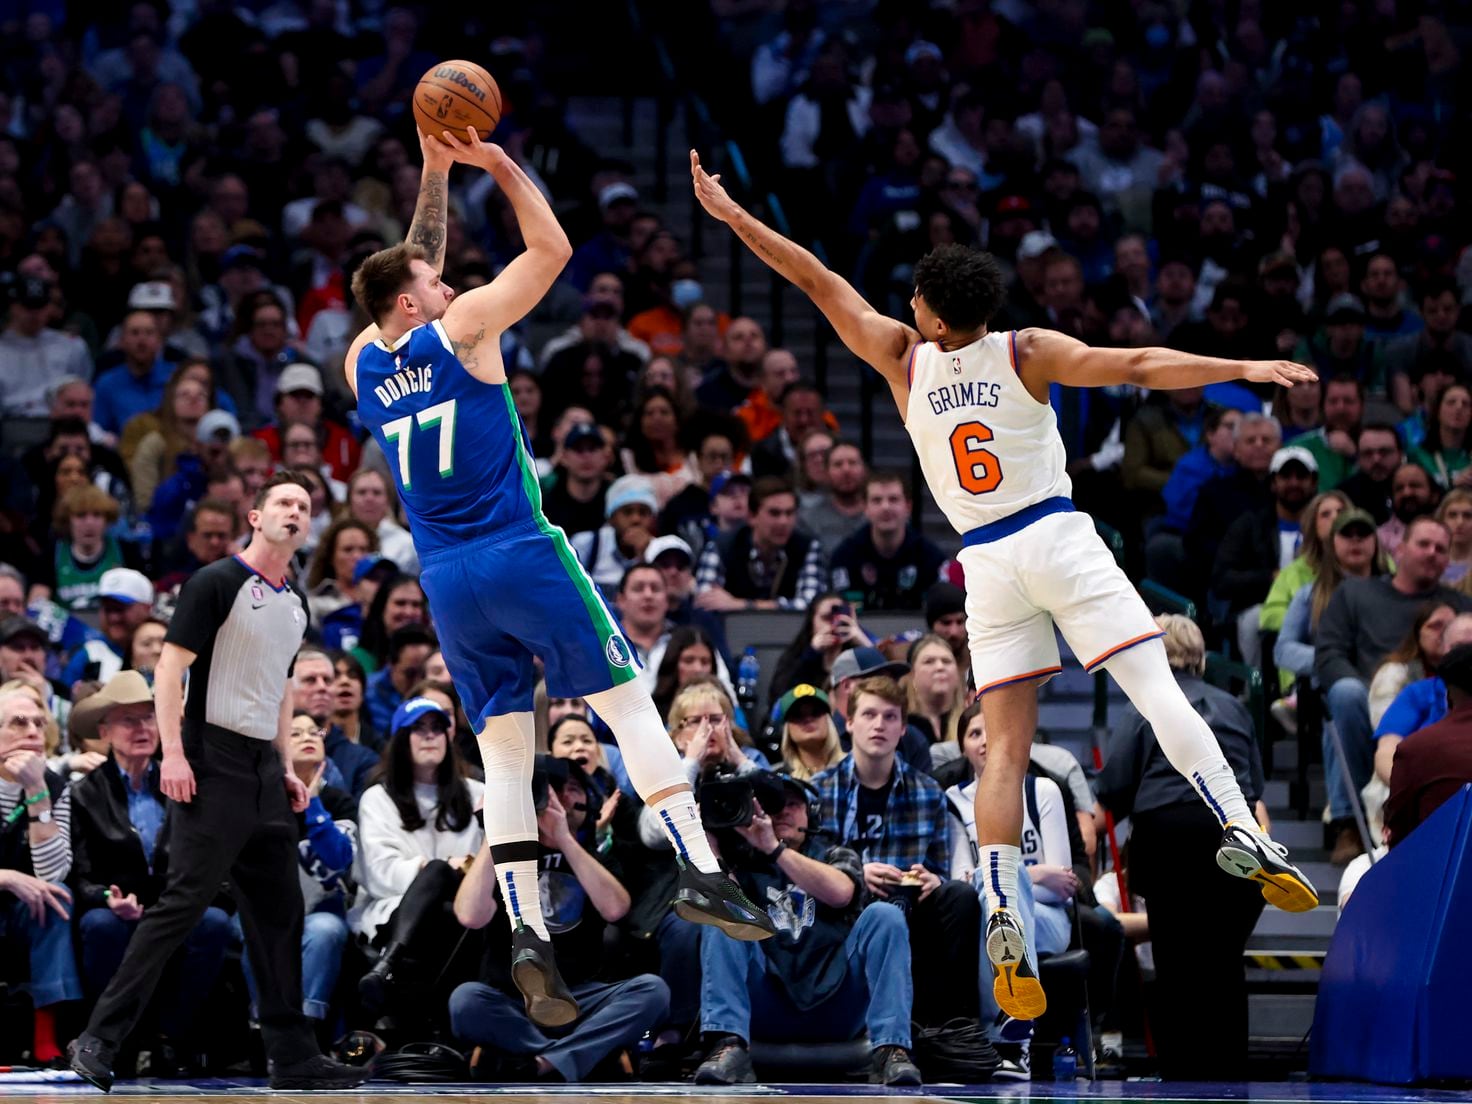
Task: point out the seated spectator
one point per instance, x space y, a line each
330 576
210 534
762 411
1258 545
732 381
23 657
1410 357
572 737
397 602
730 506
36 355
301 450
851 667
1413 660
680 657
1363 621
260 352
85 548
349 704
836 512
146 646
887 564
809 738
1444 453
688 514
408 649
1316 529
156 453
371 499
1342 348
1334 442
652 444
1421 703
1224 498
811 477
125 601
767 564
417 835
945 617
1433 764
313 693
1378 451
829 626
120 842
137 385
299 399
936 697
834 967
596 1018
35 861
1431 377
895 819
609 551
1455 512
802 412
1156 439
573 496
1173 845
1411 494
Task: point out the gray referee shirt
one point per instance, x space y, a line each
245 632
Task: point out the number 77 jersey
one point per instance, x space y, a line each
986 446
456 446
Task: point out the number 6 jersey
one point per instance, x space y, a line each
987 447
455 445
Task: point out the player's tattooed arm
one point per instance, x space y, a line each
468 349
430 215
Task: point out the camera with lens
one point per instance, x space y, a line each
729 800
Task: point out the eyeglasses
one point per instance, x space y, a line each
715 720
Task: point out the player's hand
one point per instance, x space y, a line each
124 908
176 779
470 150
438 157
296 793
711 194
881 878
1283 372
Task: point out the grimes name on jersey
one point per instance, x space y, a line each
406 381
955 396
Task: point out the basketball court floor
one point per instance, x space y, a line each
1102 1092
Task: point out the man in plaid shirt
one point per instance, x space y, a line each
895 818
767 564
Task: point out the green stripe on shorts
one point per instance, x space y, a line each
616 651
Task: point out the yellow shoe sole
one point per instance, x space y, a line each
1284 891
1022 998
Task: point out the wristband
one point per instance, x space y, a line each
107 895
24 804
776 853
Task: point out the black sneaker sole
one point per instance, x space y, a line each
308 1083
97 1082
543 1007
696 908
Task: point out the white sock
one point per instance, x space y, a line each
998 865
1144 674
680 817
511 823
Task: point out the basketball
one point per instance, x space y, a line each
455 95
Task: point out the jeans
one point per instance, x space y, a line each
679 966
1349 706
736 991
189 979
53 965
324 935
610 1017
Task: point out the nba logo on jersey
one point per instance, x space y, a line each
257 593
617 651
955 366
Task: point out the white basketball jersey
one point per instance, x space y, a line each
986 446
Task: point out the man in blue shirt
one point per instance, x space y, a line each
408 650
137 385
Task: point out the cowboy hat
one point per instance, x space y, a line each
124 688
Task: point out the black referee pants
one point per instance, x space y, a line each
239 828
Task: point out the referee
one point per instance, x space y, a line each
238 624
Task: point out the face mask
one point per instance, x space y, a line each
1157 36
686 293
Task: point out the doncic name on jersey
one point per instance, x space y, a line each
404 382
965 393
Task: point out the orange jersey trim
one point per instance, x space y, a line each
1019 678
1121 647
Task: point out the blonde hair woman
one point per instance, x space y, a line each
810 742
1455 512
1316 526
936 696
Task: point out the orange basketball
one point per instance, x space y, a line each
455 95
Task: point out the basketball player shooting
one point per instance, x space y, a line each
975 403
503 583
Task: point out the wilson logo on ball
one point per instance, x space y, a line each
455 76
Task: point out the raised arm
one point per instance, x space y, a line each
479 316
431 210
881 342
1047 356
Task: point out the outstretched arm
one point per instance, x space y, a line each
427 230
478 317
879 341
1046 356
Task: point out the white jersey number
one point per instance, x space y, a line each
397 433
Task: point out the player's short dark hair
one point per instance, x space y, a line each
280 479
381 277
769 486
883 477
963 286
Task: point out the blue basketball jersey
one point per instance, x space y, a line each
456 446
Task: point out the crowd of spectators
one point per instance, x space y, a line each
185 193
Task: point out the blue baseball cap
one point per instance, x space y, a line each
409 712
721 480
582 432
368 563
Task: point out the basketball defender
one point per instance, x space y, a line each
502 581
975 404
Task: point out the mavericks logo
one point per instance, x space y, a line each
618 652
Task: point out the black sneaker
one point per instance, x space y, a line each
91 1059
729 1063
534 969
716 900
316 1072
1017 989
891 1065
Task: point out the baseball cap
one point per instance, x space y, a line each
214 423
582 432
942 600
1035 244
31 292
15 625
630 490
1293 454
1353 516
152 295
722 480
408 713
1344 307
370 562
123 584
610 194
299 377
240 256
660 545
862 662
802 692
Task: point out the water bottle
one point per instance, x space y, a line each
1065 1062
748 673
